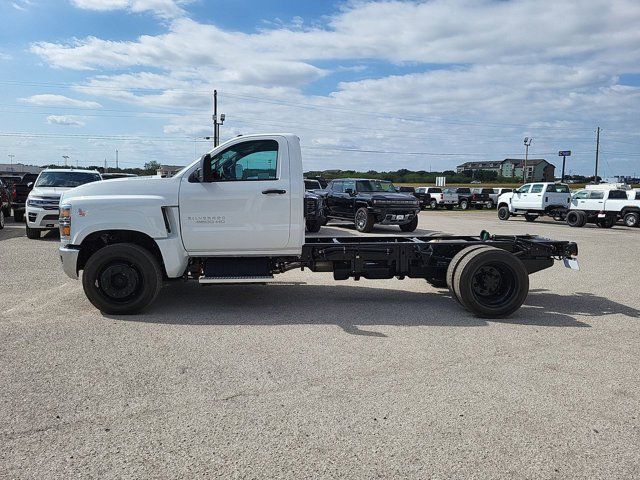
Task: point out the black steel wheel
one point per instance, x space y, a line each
504 213
364 220
123 278
576 218
631 219
491 282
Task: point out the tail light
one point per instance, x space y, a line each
14 194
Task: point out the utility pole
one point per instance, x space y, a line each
595 177
11 157
527 144
116 159
105 164
216 123
66 157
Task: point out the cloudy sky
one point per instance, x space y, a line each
366 85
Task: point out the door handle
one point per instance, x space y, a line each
274 190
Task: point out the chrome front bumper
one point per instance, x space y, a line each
69 258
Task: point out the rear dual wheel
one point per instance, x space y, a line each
631 219
576 218
488 281
606 222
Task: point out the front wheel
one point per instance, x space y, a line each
411 226
504 213
33 233
631 219
123 278
364 220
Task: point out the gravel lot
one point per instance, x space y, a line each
314 378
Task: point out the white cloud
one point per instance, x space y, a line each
161 8
52 100
483 70
64 120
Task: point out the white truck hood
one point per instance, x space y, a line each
48 191
164 188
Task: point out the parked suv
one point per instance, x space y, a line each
20 191
369 202
42 203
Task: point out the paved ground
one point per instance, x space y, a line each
311 378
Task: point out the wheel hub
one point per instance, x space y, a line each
119 281
487 281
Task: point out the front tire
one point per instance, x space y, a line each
411 226
504 213
364 220
33 233
122 279
631 219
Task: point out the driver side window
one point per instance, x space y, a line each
524 188
246 161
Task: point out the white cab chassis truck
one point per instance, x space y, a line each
604 207
236 216
534 200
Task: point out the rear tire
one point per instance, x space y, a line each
433 204
504 213
464 205
606 222
33 233
631 219
491 282
411 226
576 218
122 279
530 218
453 266
364 220
491 205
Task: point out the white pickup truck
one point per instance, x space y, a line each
534 200
603 207
236 216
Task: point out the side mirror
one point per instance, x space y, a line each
30 184
205 169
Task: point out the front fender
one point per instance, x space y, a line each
141 213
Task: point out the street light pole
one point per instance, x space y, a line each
216 122
66 157
11 157
527 144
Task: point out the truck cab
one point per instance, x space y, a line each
605 207
535 199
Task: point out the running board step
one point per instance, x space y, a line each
238 279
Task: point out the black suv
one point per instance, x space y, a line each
367 202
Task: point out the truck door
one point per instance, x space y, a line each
534 198
579 200
521 196
246 206
347 200
334 198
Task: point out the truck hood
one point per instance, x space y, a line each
388 196
505 197
48 191
166 188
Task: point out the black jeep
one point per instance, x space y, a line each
367 202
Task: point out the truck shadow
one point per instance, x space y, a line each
356 310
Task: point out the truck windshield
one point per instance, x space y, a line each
374 186
66 179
